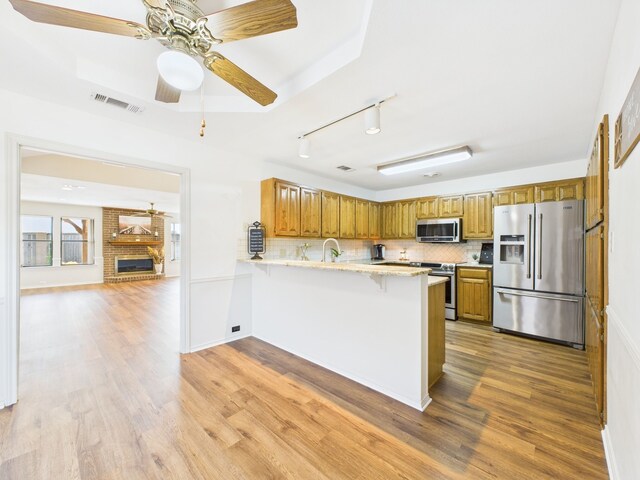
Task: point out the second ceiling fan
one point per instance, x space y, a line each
188 32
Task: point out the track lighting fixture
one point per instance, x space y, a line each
371 120
303 147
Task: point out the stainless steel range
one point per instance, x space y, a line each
440 270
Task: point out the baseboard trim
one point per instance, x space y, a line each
418 404
610 455
78 284
204 346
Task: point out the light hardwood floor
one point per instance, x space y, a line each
104 394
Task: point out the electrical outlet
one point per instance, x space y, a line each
235 329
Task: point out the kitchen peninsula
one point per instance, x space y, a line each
379 325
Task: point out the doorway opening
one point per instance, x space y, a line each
79 219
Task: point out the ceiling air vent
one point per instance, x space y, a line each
344 168
129 107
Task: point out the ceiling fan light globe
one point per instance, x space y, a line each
180 70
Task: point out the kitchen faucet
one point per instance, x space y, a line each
324 245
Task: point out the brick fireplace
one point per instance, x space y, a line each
129 249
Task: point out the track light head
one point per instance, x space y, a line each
372 120
304 146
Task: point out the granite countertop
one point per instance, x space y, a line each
384 270
437 280
475 265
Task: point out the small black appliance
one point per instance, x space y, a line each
486 254
377 252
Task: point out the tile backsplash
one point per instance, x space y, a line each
290 248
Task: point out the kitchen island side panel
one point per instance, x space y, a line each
372 330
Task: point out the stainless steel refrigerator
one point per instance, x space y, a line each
538 270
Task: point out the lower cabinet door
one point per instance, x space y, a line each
474 299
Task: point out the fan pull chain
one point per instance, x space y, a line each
203 124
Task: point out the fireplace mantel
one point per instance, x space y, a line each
128 243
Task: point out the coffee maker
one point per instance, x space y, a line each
377 252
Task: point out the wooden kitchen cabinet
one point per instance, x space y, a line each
595 345
514 195
478 216
362 218
452 206
406 212
374 220
330 214
347 217
427 207
596 177
390 221
557 191
280 208
594 273
474 293
310 212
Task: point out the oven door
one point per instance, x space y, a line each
449 295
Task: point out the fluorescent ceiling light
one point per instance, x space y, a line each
180 70
426 160
303 147
372 120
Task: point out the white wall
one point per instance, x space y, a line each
60 275
171 267
543 173
221 199
622 433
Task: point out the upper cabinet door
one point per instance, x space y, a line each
362 218
478 216
287 209
407 219
330 214
347 217
559 191
514 196
427 207
374 220
390 220
310 207
452 206
596 177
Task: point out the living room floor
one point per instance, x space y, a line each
105 394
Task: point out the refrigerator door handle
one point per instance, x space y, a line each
529 249
536 295
539 246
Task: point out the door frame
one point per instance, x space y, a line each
10 334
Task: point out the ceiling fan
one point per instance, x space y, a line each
188 32
151 212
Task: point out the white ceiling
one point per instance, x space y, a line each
54 178
517 81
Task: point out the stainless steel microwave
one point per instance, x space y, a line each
443 230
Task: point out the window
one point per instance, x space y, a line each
37 241
76 241
175 241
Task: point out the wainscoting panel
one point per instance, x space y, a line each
217 305
622 432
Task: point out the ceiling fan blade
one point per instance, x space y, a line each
235 76
166 93
43 13
157 3
252 19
